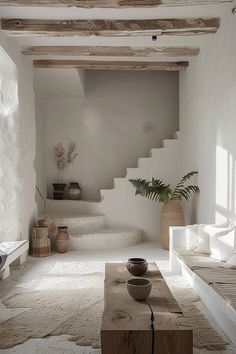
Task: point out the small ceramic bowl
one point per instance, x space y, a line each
137 266
139 288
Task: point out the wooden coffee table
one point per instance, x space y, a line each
126 323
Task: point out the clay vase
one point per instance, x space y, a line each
62 240
74 191
58 190
41 243
137 266
171 215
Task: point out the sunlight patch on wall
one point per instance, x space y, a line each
222 174
220 218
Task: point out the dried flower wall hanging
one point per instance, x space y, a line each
62 157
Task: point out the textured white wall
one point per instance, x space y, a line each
41 152
26 138
208 121
122 116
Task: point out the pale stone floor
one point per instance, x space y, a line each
34 271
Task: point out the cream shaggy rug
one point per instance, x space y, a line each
77 310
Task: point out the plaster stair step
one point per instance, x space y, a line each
105 239
169 143
81 223
105 192
72 207
176 135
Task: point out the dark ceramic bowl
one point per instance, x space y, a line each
137 266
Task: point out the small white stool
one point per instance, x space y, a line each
17 252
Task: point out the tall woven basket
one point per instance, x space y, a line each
52 229
171 215
41 243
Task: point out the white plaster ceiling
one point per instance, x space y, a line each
126 13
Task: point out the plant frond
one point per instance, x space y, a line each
185 178
185 192
181 191
157 190
153 190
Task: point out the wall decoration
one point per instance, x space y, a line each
62 157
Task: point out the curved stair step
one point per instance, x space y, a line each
105 239
82 223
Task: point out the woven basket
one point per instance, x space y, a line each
41 243
52 229
171 215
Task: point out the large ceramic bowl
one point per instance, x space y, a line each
139 288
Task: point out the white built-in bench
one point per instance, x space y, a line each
195 268
16 252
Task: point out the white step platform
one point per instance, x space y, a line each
90 232
105 239
81 224
16 253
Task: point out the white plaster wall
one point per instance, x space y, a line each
41 154
208 121
26 137
122 116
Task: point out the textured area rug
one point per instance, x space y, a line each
76 310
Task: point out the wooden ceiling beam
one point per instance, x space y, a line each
172 26
108 3
106 51
111 65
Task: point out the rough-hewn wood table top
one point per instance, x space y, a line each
126 323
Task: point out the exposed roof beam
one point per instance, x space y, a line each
107 51
172 26
111 65
108 3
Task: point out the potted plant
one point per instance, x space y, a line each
171 211
62 159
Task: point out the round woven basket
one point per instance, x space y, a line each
171 215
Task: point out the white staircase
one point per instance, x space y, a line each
120 218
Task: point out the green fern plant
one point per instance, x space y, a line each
157 190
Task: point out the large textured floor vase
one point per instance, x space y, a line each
171 215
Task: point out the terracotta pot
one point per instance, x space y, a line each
171 215
62 239
74 191
41 243
58 190
137 266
